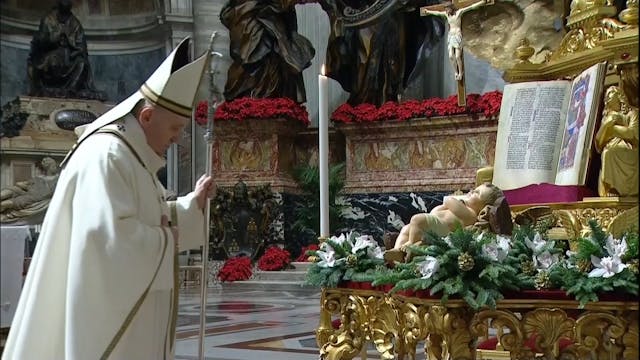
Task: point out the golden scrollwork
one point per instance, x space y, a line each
548 326
329 305
512 341
607 330
582 39
363 318
413 329
452 326
630 339
598 336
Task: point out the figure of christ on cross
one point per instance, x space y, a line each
453 12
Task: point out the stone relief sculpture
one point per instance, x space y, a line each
58 63
268 53
25 200
493 33
617 141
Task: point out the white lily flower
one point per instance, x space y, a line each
504 243
545 260
616 248
428 267
606 267
537 244
480 236
327 258
338 239
490 251
363 242
497 250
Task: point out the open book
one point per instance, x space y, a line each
545 130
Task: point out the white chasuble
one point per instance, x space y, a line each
102 279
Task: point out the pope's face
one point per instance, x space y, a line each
161 127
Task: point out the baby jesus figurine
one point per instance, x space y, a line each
456 210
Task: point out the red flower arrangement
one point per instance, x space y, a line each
487 104
252 108
235 269
273 259
303 253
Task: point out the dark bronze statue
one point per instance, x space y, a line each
268 53
375 60
58 64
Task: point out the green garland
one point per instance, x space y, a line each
574 276
465 265
463 269
355 257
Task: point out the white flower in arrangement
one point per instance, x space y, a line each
616 247
363 242
480 237
538 243
497 250
338 239
327 257
428 267
545 260
606 267
447 240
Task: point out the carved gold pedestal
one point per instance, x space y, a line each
396 324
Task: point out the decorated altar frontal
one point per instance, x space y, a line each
396 323
428 154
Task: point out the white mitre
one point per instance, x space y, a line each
172 86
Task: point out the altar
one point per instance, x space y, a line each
396 323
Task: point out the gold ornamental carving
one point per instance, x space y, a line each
583 39
605 330
599 336
512 341
363 318
630 339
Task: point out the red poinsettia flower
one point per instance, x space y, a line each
252 108
273 259
235 269
487 104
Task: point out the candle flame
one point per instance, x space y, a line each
322 70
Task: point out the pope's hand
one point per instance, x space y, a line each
204 189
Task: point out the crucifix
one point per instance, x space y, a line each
453 12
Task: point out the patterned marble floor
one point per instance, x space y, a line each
248 325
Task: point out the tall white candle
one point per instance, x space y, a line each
323 152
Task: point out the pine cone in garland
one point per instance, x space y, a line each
465 262
633 266
352 260
584 265
528 267
542 280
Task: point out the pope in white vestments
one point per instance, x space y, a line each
101 284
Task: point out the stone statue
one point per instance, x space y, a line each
268 53
454 39
375 62
26 199
617 141
58 63
485 205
